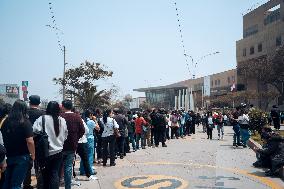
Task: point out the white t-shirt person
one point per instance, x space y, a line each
109 126
55 143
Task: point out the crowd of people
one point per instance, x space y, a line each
49 140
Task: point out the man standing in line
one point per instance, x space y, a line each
34 113
160 129
154 122
122 122
75 131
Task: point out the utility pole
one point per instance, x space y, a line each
64 67
202 96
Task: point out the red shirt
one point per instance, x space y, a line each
138 125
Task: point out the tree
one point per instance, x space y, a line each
268 70
146 106
119 104
81 88
127 100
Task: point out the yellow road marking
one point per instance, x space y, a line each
263 180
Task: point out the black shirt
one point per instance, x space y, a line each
14 137
122 122
34 114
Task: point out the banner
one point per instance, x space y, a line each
207 86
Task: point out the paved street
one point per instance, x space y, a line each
194 162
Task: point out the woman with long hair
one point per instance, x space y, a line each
108 137
18 140
56 129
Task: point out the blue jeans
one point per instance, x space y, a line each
132 140
68 158
245 135
220 129
91 151
142 138
237 134
17 168
90 154
181 129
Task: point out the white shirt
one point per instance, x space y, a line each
109 126
210 120
84 137
55 143
244 119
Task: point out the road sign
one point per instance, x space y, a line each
25 83
12 90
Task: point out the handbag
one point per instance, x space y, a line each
41 145
116 131
144 128
211 126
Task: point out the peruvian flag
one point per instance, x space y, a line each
233 87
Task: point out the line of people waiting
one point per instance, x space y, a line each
94 135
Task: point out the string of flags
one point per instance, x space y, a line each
203 57
186 56
254 6
191 67
54 27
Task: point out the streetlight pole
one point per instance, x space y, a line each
64 69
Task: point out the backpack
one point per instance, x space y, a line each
41 145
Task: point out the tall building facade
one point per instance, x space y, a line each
263 33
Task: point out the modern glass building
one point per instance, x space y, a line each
175 95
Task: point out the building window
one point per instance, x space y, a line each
250 31
229 80
216 83
272 15
278 41
259 47
244 52
212 83
219 82
251 50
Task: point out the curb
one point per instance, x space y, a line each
254 146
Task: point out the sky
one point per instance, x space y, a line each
138 40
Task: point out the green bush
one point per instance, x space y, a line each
258 119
